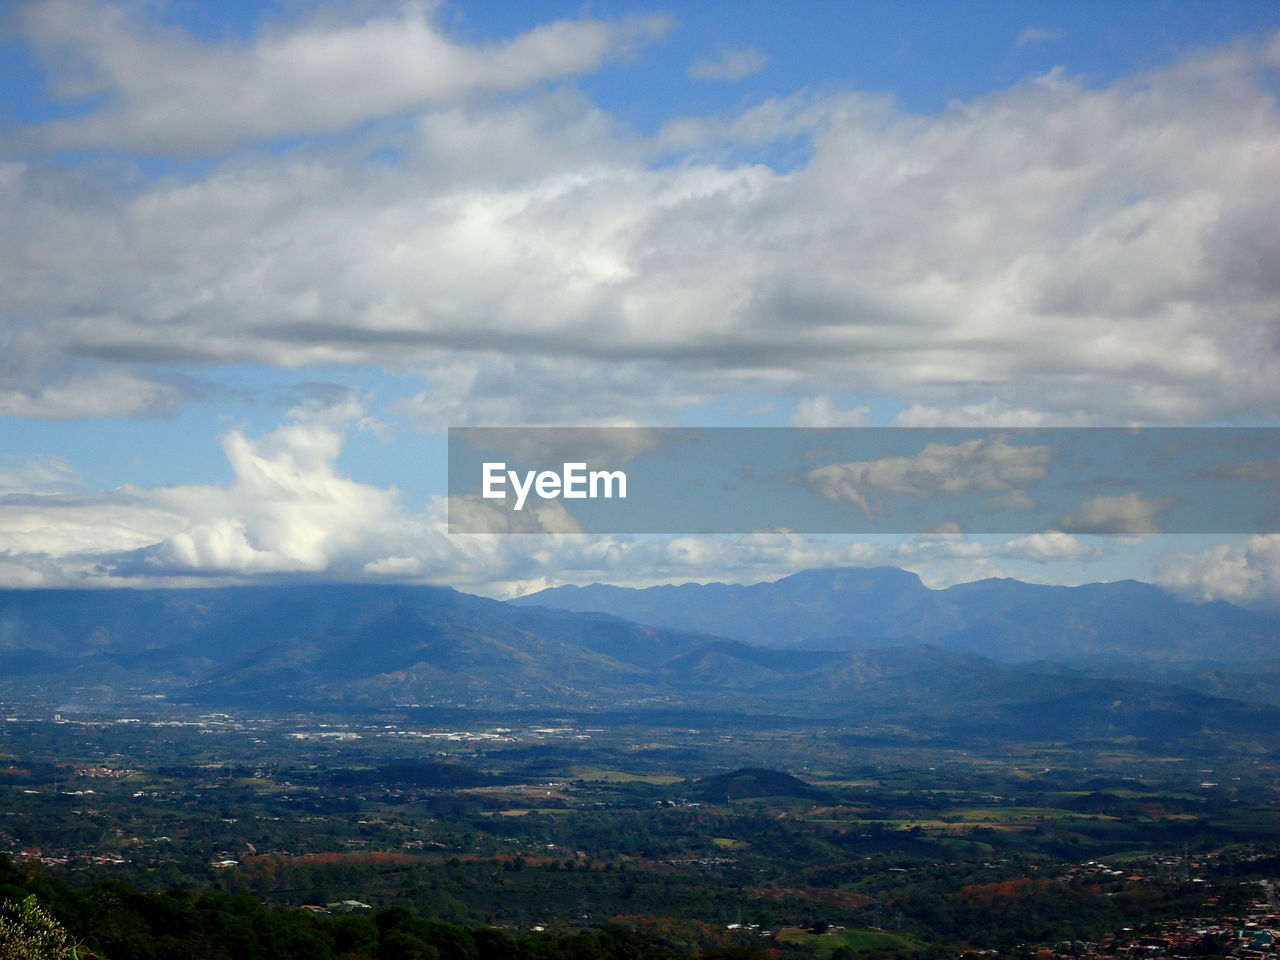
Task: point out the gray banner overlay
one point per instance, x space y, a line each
874 480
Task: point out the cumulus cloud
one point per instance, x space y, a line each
1085 255
822 411
1048 547
1123 513
66 535
1127 513
287 510
1246 572
982 464
730 63
164 90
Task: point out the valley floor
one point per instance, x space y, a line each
794 837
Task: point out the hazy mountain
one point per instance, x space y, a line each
319 644
862 609
366 647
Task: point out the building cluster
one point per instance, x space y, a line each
1252 937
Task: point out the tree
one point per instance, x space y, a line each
28 932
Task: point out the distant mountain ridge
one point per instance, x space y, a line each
362 648
319 643
856 608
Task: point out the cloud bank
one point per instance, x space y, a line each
287 511
1084 254
381 193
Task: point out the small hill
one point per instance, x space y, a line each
751 782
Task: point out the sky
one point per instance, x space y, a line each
259 257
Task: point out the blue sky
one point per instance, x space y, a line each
260 256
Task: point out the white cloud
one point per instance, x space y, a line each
70 532
982 464
1127 513
394 567
473 390
1245 572
166 91
46 474
1048 548
821 411
105 393
1052 253
287 510
730 63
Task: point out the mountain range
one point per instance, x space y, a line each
1007 620
873 651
